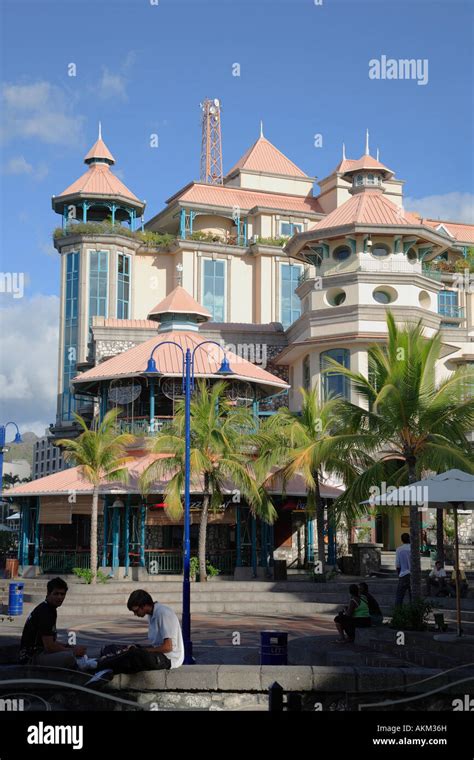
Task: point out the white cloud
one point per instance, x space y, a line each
19 165
454 207
28 359
42 111
113 84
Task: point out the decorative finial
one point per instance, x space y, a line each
100 131
261 128
377 154
367 152
343 151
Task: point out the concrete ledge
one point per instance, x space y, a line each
258 678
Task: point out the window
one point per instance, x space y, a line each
370 179
359 180
98 283
380 250
342 253
334 383
214 288
290 308
448 303
306 373
70 332
123 286
382 296
289 229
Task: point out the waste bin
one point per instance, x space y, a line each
15 598
11 568
279 570
273 648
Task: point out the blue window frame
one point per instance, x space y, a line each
334 383
70 332
98 283
123 286
290 304
289 229
448 303
214 288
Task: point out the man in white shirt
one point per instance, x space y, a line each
437 578
164 630
402 563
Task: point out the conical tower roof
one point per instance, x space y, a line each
179 301
264 157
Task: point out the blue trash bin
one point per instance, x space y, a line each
15 598
273 648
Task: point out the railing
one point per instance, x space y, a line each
434 274
141 425
451 310
170 562
63 561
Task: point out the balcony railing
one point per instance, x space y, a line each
170 561
451 310
141 425
63 561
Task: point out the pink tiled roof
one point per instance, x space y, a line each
367 207
345 165
179 301
215 195
99 180
264 157
366 162
464 233
99 150
169 361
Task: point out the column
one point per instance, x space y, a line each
238 537
24 534
263 544
309 538
36 559
254 544
127 534
84 211
271 544
331 539
142 535
106 528
115 538
114 207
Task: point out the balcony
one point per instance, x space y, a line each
452 311
140 426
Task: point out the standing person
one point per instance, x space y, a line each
164 630
376 616
355 615
38 641
402 562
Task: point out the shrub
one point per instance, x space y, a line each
277 241
86 574
194 568
411 617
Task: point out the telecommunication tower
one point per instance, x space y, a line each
211 146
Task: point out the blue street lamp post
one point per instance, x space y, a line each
3 450
188 385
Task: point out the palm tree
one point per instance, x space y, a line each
101 455
220 452
309 443
407 421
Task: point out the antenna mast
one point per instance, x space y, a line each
211 145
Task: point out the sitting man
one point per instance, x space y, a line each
437 578
164 630
376 616
38 641
355 615
463 584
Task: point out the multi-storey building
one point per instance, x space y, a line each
47 458
282 277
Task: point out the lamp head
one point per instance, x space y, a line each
151 366
225 369
18 438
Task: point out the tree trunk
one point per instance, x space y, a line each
320 522
415 560
95 501
440 535
202 537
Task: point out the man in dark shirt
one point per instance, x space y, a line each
38 642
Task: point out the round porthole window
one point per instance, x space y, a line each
412 256
380 250
385 295
341 254
335 296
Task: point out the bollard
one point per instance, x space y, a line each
275 697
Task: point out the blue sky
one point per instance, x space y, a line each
144 68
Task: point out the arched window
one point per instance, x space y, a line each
380 250
359 179
342 253
370 179
333 383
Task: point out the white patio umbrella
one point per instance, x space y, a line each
448 490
